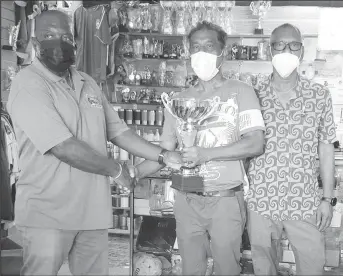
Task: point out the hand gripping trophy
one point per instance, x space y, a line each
189 112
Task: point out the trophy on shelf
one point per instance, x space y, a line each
167 24
189 112
228 26
194 9
260 8
13 32
181 26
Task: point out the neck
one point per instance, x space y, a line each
208 85
284 84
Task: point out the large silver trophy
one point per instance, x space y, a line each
189 112
260 8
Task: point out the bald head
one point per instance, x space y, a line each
52 22
286 32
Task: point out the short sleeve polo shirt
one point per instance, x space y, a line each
45 112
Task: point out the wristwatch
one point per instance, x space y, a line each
160 159
331 200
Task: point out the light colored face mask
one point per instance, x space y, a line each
285 64
205 65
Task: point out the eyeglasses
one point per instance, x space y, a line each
293 45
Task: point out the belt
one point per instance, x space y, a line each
223 193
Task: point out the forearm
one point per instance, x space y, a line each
81 156
247 146
137 146
147 168
327 168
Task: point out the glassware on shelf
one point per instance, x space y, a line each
262 50
167 24
134 21
209 11
146 47
194 8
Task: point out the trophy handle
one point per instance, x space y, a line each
166 102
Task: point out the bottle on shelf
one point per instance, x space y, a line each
157 136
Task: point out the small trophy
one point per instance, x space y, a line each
189 112
260 8
13 32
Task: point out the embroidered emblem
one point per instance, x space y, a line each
93 100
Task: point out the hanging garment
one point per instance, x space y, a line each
11 149
92 37
5 186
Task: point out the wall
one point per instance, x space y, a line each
8 58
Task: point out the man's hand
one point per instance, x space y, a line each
324 215
173 159
125 179
194 156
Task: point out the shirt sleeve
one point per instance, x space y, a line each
114 125
250 116
33 111
327 129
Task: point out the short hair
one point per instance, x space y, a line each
205 25
285 26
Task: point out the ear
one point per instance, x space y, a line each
302 53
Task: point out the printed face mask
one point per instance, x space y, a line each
205 65
285 64
57 55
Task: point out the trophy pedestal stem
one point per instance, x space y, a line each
188 184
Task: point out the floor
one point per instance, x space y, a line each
118 256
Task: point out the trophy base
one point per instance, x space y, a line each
187 183
258 31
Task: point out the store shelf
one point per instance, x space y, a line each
145 127
148 86
137 105
158 177
153 59
240 36
121 208
118 231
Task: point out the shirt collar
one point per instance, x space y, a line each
53 77
299 92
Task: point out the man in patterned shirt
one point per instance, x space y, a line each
284 193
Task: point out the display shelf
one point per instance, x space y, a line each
146 127
118 231
137 105
240 36
153 59
148 86
121 208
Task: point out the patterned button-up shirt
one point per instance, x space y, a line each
283 180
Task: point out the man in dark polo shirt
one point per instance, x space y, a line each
62 122
234 131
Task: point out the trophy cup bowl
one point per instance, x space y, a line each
260 8
189 112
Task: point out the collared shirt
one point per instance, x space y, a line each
283 180
237 113
45 112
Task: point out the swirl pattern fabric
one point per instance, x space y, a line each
283 180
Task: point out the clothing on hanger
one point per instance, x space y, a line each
92 37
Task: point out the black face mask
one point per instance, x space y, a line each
57 54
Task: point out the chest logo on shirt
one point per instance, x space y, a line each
93 101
